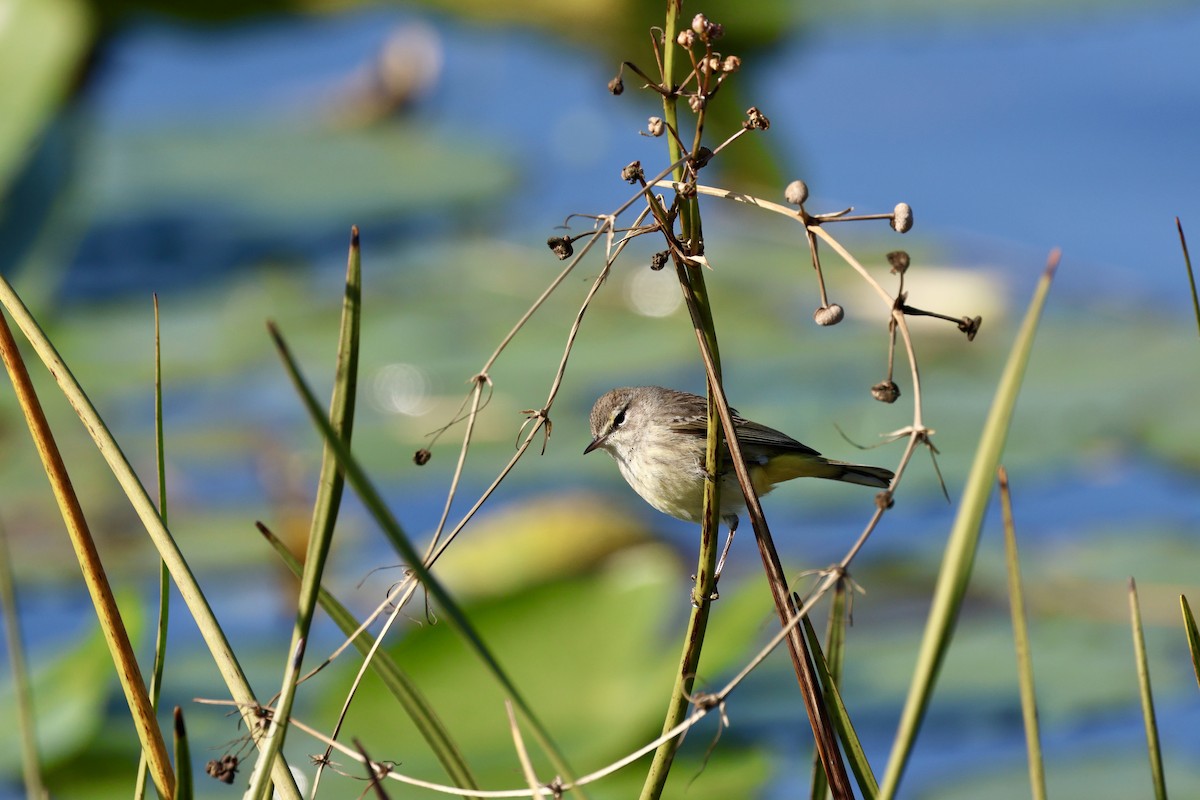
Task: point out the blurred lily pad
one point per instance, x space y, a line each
589 654
292 176
537 542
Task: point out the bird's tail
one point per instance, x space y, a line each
786 467
857 473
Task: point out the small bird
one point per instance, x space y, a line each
657 437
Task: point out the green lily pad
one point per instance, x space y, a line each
292 175
594 656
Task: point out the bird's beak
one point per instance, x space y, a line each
599 440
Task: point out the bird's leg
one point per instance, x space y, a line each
732 522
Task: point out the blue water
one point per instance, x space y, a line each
1007 136
1068 131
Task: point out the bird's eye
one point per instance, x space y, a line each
619 419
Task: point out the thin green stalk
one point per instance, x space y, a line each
330 484
959 557
1143 673
824 736
834 657
164 577
691 278
31 768
684 251
681 692
189 589
383 517
840 718
705 585
1187 261
1016 596
183 759
1193 636
702 594
839 619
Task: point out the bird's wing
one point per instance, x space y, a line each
758 441
756 438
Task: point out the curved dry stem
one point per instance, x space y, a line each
712 702
476 401
606 229
408 587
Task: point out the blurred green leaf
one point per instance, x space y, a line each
589 651
291 175
43 44
70 695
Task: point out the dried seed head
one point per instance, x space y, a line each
885 391
902 219
700 25
899 261
561 245
687 191
656 126
756 119
831 314
224 770
421 457
715 31
659 260
616 85
632 172
796 192
970 326
696 102
731 64
686 39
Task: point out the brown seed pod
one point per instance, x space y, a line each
796 192
902 218
885 391
561 245
899 261
756 119
831 314
970 326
